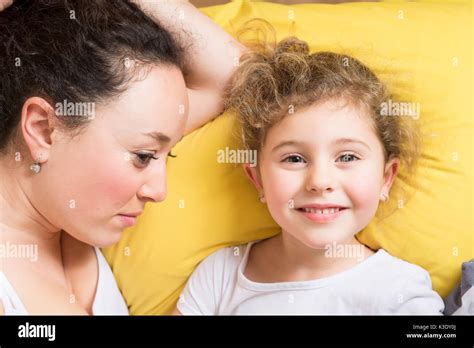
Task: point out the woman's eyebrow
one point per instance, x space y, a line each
159 137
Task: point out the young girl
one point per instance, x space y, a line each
326 157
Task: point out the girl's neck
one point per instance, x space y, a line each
296 261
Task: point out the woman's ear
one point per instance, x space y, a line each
37 117
390 172
253 174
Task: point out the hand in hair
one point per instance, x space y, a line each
211 55
5 3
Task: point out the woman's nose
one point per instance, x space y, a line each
154 189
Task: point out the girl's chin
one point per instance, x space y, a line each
319 240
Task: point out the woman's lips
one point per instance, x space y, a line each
321 215
128 220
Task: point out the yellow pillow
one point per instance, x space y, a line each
424 51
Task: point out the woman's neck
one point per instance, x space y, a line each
18 212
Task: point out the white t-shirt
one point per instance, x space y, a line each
107 301
381 284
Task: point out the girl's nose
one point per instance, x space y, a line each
319 177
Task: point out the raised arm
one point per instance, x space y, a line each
211 55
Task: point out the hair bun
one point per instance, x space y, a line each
292 45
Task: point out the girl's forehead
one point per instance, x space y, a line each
323 122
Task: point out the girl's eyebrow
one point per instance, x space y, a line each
287 143
350 140
340 141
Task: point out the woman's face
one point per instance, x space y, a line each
327 154
91 181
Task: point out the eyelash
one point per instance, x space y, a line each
145 158
349 154
293 156
297 156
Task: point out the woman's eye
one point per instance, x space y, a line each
348 157
294 159
143 159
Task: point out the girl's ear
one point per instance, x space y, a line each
390 172
252 173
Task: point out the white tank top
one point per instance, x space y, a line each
108 299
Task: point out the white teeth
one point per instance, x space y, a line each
321 211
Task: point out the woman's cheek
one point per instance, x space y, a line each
103 184
101 196
116 185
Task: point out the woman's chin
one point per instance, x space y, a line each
110 238
103 237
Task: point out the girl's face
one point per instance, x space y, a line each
324 156
92 184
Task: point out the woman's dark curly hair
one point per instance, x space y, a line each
74 50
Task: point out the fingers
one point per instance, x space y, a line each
5 3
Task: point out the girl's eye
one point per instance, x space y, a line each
348 157
144 158
294 159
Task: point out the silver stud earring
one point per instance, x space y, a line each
36 167
261 198
384 197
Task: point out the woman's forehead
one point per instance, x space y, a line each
157 103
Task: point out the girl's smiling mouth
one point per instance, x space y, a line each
321 212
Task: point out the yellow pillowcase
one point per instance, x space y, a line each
424 51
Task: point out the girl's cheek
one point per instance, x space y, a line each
281 186
363 189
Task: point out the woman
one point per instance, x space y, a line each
93 97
